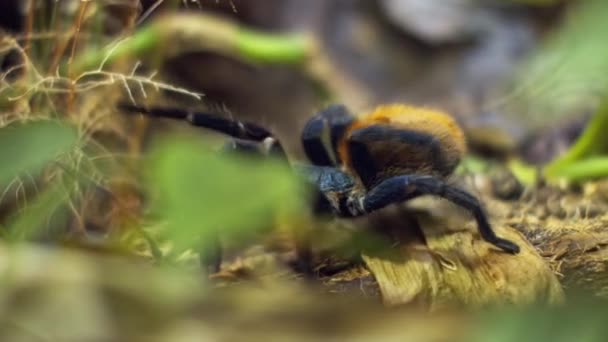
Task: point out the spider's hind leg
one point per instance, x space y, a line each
406 187
270 148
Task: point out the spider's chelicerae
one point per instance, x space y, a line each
365 163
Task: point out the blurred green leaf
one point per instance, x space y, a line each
583 320
472 164
201 32
265 47
567 76
586 158
27 147
31 222
525 173
581 170
200 192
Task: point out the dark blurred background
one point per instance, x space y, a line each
456 55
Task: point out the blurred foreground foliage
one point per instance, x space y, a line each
62 295
581 320
200 192
195 191
25 150
27 147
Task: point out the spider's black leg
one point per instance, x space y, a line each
331 183
403 188
269 148
234 128
210 257
322 132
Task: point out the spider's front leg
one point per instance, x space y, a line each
211 256
319 138
402 188
330 188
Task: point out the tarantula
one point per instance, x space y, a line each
365 163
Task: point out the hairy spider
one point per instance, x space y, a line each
363 164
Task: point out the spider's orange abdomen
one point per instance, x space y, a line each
402 139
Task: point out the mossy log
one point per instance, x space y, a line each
439 260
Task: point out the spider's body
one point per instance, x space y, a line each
362 164
405 140
391 141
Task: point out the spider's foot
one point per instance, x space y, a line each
506 246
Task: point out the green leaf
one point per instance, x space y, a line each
569 74
27 147
585 159
582 320
32 221
199 192
265 47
